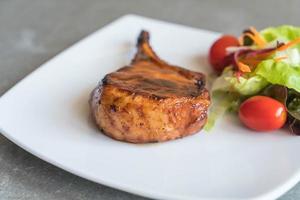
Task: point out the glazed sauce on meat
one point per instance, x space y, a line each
158 81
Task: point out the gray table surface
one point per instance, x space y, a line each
33 31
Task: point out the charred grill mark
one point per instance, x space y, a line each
137 83
143 37
200 84
156 97
105 80
142 40
113 108
159 82
193 95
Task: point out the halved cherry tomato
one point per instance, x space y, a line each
217 51
262 113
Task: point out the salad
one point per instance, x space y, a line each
259 78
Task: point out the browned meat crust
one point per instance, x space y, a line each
150 100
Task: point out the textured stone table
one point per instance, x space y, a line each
33 31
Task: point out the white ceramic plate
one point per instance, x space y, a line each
48 115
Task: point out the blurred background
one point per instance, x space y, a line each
33 31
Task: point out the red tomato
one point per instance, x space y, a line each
262 113
217 51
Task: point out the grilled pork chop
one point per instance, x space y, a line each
150 100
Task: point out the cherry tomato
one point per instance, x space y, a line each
262 113
217 51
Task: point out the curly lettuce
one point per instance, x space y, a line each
279 73
283 33
244 86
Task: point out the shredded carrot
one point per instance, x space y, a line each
253 30
258 36
255 36
280 58
244 63
251 61
243 67
289 44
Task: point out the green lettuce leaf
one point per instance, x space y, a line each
280 73
283 33
228 92
245 86
221 102
248 86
